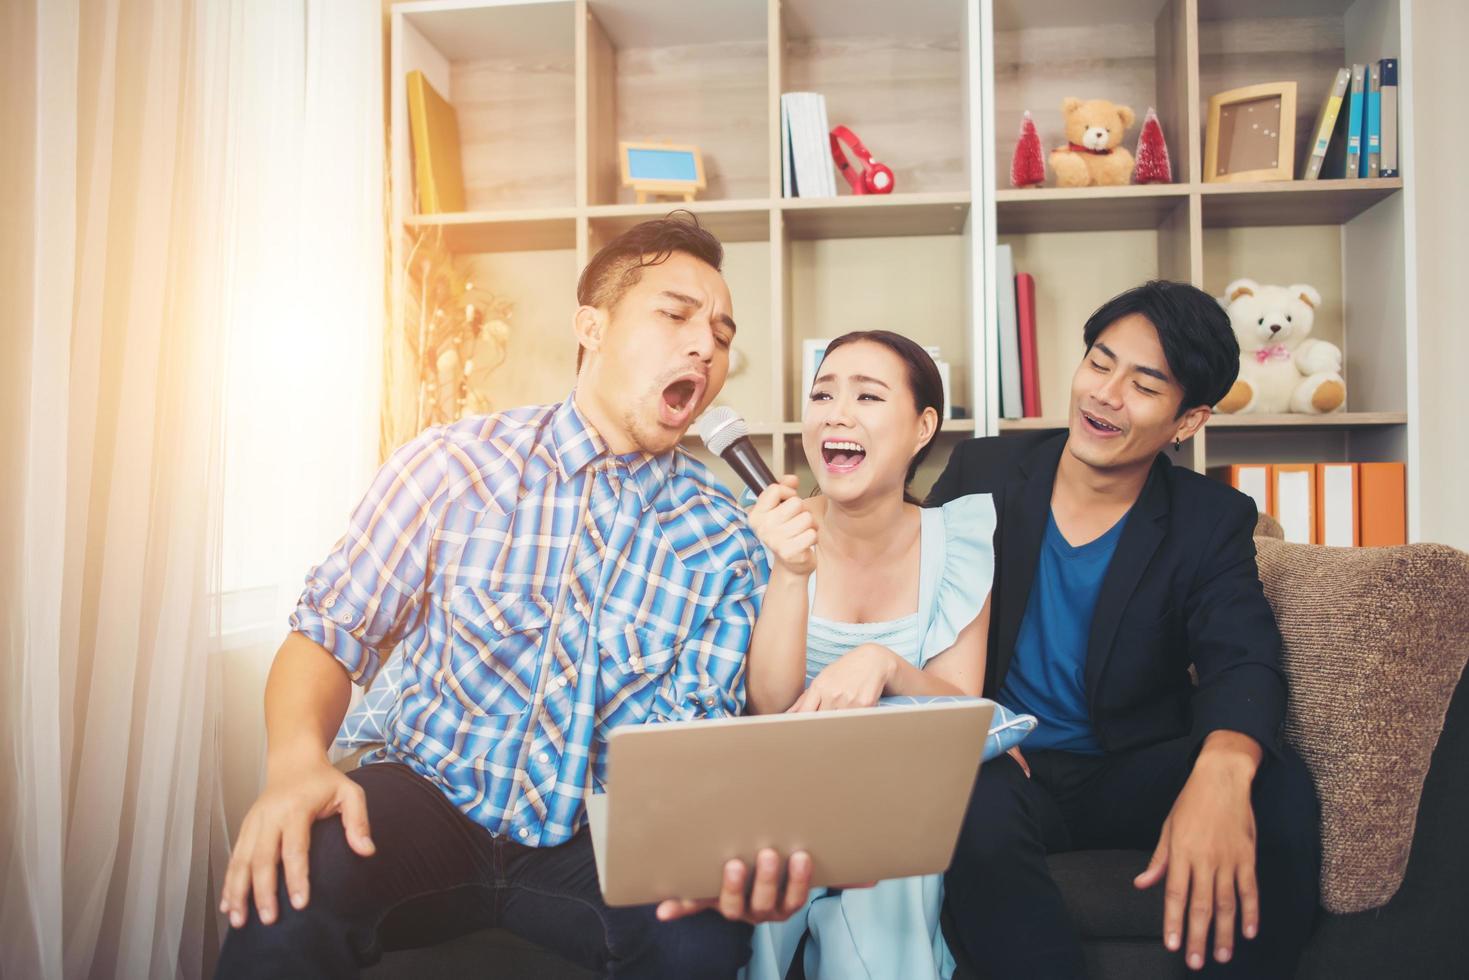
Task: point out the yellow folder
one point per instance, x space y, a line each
436 172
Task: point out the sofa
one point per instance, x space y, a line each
1375 647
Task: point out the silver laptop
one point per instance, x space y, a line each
871 794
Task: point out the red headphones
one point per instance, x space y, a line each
874 177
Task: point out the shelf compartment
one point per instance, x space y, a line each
875 215
1132 52
659 72
893 74
730 221
1293 202
501 231
916 286
509 72
1049 209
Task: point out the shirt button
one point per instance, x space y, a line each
581 607
524 833
635 662
740 570
709 702
596 535
500 625
543 758
561 682
345 617
329 601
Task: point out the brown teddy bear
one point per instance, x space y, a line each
1094 153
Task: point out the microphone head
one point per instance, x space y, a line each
719 427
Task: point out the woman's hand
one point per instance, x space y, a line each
856 680
787 526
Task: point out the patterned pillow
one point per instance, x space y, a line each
1007 729
367 724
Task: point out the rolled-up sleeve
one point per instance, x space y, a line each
360 600
708 679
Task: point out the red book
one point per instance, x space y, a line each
1030 369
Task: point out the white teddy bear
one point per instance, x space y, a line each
1281 369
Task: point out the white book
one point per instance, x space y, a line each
787 189
810 153
826 165
1011 406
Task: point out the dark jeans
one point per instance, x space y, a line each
437 875
1006 912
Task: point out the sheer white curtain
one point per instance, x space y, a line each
191 300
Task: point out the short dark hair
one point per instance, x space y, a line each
619 264
1193 328
924 381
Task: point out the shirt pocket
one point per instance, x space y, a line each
493 653
631 659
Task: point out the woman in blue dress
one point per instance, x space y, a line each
869 596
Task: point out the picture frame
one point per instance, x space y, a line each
653 169
1251 134
812 351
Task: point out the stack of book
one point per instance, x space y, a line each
1340 504
1356 132
1020 385
806 168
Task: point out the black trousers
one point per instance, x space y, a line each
1006 912
437 874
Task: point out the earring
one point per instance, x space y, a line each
1177 444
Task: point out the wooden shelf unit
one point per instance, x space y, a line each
1346 237
546 88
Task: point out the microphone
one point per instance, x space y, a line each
728 436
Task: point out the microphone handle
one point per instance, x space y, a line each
745 460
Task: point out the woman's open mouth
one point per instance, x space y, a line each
842 455
679 401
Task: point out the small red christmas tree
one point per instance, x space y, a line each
1028 167
1152 154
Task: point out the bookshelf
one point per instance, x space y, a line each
1346 237
544 89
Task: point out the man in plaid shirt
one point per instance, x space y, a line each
546 574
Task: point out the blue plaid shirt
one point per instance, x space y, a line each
544 592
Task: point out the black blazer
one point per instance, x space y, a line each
1182 589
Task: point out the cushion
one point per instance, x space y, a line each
1375 642
367 723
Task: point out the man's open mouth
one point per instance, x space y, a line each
842 455
1100 426
680 398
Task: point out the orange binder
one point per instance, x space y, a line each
1384 507
1251 479
1295 500
1337 500
437 176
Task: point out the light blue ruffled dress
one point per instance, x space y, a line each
891 930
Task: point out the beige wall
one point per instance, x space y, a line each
1440 200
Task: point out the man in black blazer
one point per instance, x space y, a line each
1117 572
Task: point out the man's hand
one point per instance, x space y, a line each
1207 851
764 901
855 680
278 830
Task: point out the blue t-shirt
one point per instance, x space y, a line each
1047 676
